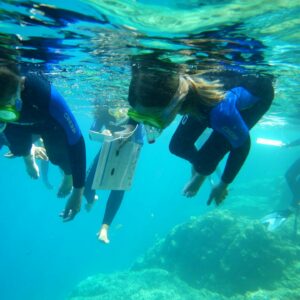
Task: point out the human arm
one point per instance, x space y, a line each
62 114
293 143
235 161
227 121
113 204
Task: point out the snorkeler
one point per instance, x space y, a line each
292 176
114 123
229 102
30 106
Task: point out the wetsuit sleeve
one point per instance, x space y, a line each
19 139
235 161
61 113
226 119
244 99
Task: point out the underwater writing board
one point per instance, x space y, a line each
116 165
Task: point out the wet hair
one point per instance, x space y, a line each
154 82
9 82
152 88
157 88
207 92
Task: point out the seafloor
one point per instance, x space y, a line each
224 254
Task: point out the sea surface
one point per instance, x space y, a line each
85 49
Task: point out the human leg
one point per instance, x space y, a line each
113 204
89 193
208 158
184 138
293 181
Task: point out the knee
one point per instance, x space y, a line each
176 147
206 168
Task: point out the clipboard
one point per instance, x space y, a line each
116 165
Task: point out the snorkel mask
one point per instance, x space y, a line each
147 119
9 113
158 117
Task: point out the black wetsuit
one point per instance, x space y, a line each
292 176
45 113
248 97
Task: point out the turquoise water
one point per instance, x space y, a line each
85 48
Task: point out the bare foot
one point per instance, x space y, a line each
103 234
193 186
65 187
89 205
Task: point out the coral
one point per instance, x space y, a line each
214 257
223 253
152 284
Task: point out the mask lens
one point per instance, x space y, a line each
8 114
146 119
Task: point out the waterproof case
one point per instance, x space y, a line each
116 164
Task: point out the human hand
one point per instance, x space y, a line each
39 152
218 194
106 132
128 129
73 205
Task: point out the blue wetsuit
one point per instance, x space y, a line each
45 113
247 98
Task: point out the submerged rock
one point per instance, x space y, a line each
213 257
152 284
222 253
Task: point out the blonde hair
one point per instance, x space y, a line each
209 92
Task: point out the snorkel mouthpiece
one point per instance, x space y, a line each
152 133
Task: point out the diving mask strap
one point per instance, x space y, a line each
179 96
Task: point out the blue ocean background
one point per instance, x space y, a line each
42 258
